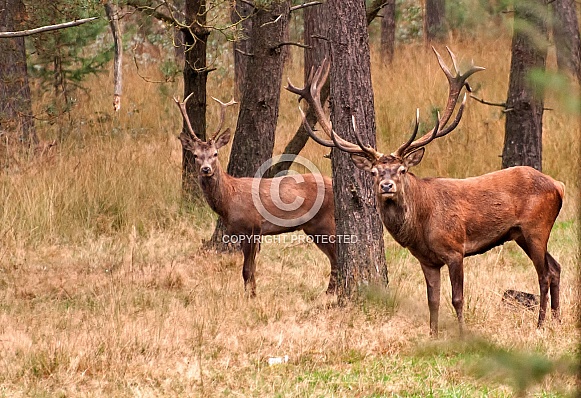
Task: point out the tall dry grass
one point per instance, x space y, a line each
106 291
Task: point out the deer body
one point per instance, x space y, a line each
443 220
238 200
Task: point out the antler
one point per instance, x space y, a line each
312 94
182 106
223 107
456 82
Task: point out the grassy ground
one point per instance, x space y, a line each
105 289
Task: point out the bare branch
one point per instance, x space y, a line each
48 28
291 43
305 5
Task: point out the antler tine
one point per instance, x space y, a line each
309 130
182 106
367 149
400 151
312 93
456 82
223 107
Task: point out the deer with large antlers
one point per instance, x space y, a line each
254 207
443 220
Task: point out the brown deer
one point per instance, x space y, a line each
443 220
254 207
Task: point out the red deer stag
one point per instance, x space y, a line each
254 207
443 220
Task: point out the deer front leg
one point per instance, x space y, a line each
249 249
432 275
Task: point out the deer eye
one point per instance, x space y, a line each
374 171
215 154
402 170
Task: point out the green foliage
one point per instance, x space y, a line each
559 85
62 59
409 17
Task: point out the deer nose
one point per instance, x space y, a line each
206 170
387 186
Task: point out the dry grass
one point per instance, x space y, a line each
107 292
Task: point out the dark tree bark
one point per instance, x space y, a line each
524 119
435 20
566 34
257 118
388 32
362 263
16 108
316 22
316 37
241 16
195 78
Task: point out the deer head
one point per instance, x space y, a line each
390 170
205 152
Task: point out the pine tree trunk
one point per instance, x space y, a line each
524 120
388 33
362 263
16 109
253 141
241 14
567 40
316 28
434 20
195 77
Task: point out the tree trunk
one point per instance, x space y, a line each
524 120
362 263
388 33
258 115
316 37
16 109
195 77
567 40
316 22
434 20
241 14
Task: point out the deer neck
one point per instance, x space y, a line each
402 214
216 190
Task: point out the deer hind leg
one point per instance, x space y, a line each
555 281
432 275
456 268
329 250
249 249
536 250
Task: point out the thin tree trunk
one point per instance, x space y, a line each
567 40
16 109
434 20
195 77
241 15
362 263
524 121
388 32
316 22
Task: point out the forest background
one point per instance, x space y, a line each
107 289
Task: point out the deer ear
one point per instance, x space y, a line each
415 157
187 142
223 139
361 162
